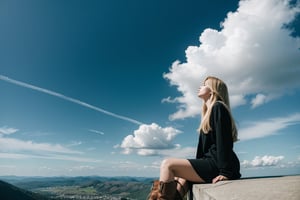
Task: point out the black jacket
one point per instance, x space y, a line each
217 144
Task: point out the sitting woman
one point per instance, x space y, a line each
215 159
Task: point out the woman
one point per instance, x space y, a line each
215 160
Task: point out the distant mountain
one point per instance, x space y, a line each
91 187
10 192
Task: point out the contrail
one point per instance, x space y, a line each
52 93
95 131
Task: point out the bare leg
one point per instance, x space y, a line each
182 168
174 170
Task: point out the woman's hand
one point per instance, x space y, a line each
219 178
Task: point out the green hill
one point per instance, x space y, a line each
94 187
10 192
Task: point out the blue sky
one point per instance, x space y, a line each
109 88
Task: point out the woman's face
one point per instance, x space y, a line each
204 91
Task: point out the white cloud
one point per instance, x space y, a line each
258 100
268 127
263 161
10 144
252 53
12 148
144 152
179 152
148 138
7 130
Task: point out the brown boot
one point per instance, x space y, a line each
178 196
159 191
154 194
167 190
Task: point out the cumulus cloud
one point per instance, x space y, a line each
263 161
268 127
149 138
253 53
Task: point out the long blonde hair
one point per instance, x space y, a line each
219 92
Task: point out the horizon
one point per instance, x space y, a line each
110 87
137 177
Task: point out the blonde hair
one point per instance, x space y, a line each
219 92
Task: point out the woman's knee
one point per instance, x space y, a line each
166 164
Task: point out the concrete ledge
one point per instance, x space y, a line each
279 188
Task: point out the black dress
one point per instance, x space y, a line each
215 155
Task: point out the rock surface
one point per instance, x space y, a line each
279 188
